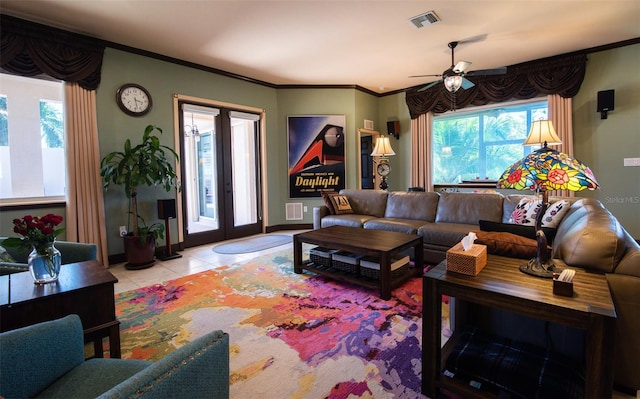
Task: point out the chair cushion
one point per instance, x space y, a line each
94 377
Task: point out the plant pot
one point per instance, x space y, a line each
140 251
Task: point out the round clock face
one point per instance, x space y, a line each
133 99
384 169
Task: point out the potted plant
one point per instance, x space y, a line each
144 164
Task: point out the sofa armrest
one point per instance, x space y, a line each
33 357
11 267
199 369
318 213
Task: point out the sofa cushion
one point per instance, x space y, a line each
367 202
94 377
469 208
407 226
590 237
507 244
349 220
445 234
412 205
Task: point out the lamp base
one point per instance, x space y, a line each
539 269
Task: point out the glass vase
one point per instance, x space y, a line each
44 264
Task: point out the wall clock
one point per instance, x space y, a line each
133 99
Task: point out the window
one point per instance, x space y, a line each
32 142
481 143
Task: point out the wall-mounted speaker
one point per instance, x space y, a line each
605 102
393 129
167 209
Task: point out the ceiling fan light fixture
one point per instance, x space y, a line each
452 83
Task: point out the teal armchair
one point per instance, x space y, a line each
47 360
70 252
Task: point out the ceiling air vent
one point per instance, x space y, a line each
425 19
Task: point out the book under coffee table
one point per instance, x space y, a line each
377 244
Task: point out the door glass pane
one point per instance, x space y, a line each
244 149
201 170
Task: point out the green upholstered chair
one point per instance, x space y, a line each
47 360
70 252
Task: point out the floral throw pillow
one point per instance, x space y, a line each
525 212
527 209
554 214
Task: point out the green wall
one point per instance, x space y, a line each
601 144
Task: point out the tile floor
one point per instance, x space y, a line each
199 259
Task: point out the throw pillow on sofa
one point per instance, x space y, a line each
518 229
507 244
341 204
527 209
326 197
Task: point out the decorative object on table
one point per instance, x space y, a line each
563 282
383 150
540 171
39 235
466 257
143 164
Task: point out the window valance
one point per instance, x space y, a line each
30 49
561 75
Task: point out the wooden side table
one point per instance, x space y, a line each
501 285
83 288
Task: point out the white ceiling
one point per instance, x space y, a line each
351 42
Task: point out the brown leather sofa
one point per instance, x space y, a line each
589 237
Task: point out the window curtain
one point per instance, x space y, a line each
561 116
30 49
562 75
85 203
421 151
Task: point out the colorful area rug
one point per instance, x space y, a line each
292 336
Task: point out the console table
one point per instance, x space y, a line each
84 288
501 285
377 243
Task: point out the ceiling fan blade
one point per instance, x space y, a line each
485 72
461 66
466 83
430 85
424 76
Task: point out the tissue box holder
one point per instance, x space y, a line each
562 288
467 262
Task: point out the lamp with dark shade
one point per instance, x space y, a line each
541 171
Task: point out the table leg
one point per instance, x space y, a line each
385 276
599 355
114 341
431 334
297 254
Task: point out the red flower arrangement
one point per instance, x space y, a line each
36 232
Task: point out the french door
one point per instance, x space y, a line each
220 162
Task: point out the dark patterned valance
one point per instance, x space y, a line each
30 49
557 75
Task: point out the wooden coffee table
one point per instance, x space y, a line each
83 288
375 243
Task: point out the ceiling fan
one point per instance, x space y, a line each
454 77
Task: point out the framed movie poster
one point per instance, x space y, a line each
316 154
